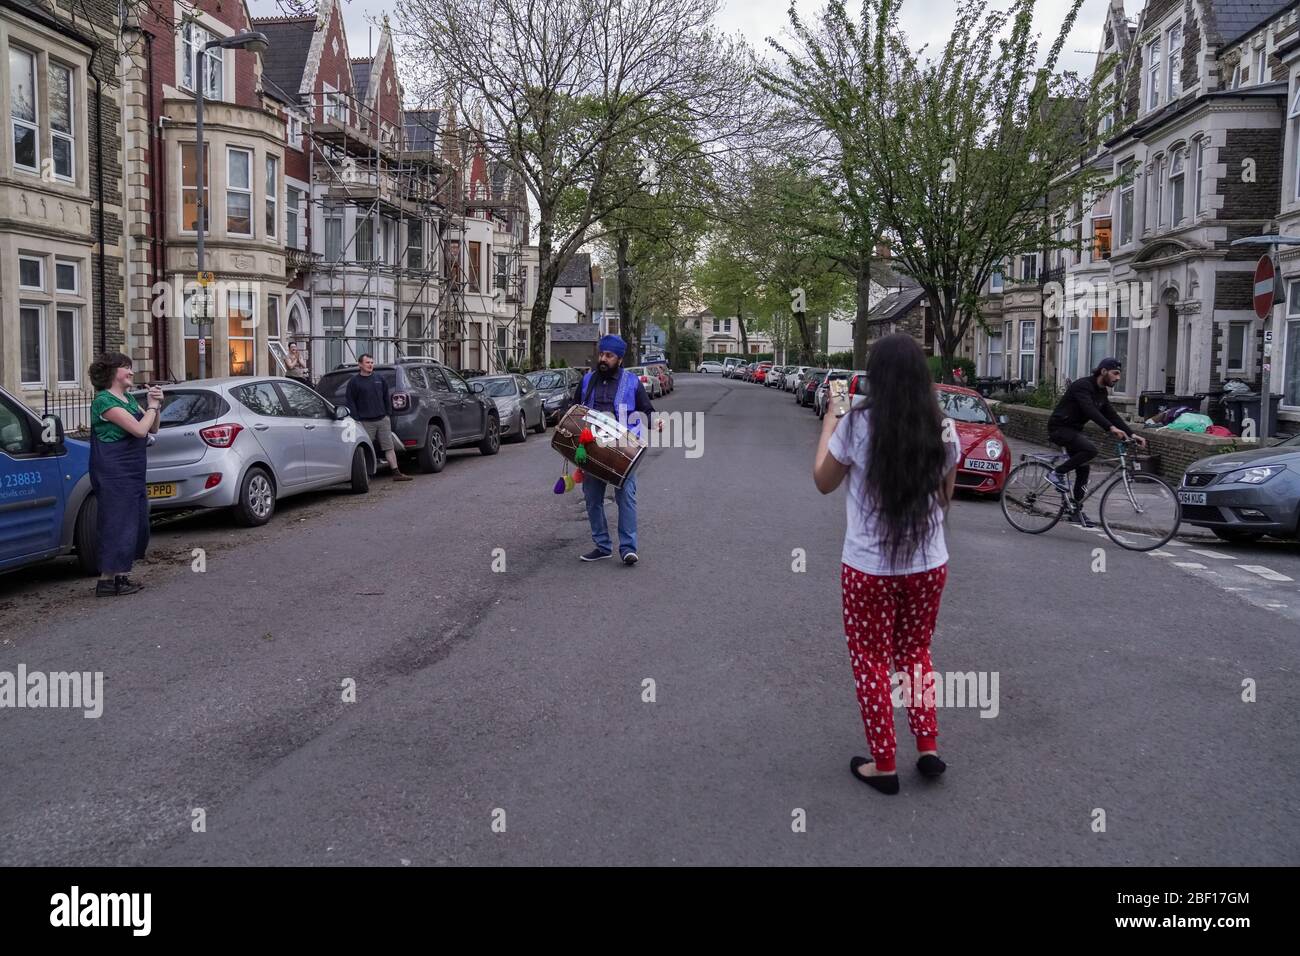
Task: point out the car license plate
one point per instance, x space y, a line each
1191 497
162 490
980 464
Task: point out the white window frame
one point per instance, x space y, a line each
40 266
272 196
291 206
75 266
69 135
194 37
41 342
335 217
1198 172
1235 82
1261 65
75 310
1292 327
1153 61
1178 162
34 125
232 189
1174 80
1126 230
1159 175
206 213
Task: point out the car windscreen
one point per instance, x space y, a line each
964 408
334 385
546 379
499 387
187 406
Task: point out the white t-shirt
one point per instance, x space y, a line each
862 539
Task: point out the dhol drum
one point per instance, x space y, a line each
611 457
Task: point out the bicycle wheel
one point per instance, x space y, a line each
1031 503
1140 513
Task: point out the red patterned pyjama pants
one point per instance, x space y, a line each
889 619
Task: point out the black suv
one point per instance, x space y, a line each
433 409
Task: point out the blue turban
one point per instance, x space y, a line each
612 343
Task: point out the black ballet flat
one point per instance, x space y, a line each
930 765
885 783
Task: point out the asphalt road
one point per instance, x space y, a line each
516 698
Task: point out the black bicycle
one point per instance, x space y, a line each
1138 511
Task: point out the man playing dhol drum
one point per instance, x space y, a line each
612 389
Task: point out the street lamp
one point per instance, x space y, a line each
254 42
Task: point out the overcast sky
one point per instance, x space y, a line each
926 21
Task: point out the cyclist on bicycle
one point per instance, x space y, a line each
1085 400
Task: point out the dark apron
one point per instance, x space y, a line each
117 474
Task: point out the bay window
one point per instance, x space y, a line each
1153 74
239 330
365 239
24 120
332 323
291 219
1027 351
67 323
364 340
1098 338
239 192
1101 238
62 143
334 237
272 196
31 344
995 355
1198 173
1291 377
1177 188
415 244
1126 204
1174 86
1072 346
189 188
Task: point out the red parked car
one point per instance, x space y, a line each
661 373
760 373
985 454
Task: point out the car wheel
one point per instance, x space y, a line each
541 423
523 428
1237 537
360 478
256 501
85 536
491 443
432 458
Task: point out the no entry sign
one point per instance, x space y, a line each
1264 283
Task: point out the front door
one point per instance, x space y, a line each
279 434
327 452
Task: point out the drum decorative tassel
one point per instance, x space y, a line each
578 476
610 459
580 455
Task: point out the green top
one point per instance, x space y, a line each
105 400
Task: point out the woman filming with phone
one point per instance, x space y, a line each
900 457
119 437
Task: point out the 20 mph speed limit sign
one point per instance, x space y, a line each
1264 284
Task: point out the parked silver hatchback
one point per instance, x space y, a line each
244 443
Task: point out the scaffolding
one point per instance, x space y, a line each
405 256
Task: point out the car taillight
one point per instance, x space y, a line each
645 379
220 436
401 401
853 382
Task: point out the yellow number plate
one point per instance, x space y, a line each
162 491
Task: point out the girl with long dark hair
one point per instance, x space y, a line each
900 458
119 437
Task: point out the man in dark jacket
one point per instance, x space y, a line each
1085 400
368 399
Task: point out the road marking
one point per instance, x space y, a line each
1178 544
1236 589
1267 574
1213 554
1158 553
1274 605
1189 565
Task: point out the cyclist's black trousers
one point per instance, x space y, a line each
1081 452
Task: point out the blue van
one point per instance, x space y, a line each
46 505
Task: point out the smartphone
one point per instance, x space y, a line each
839 395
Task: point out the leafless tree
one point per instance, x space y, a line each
558 89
